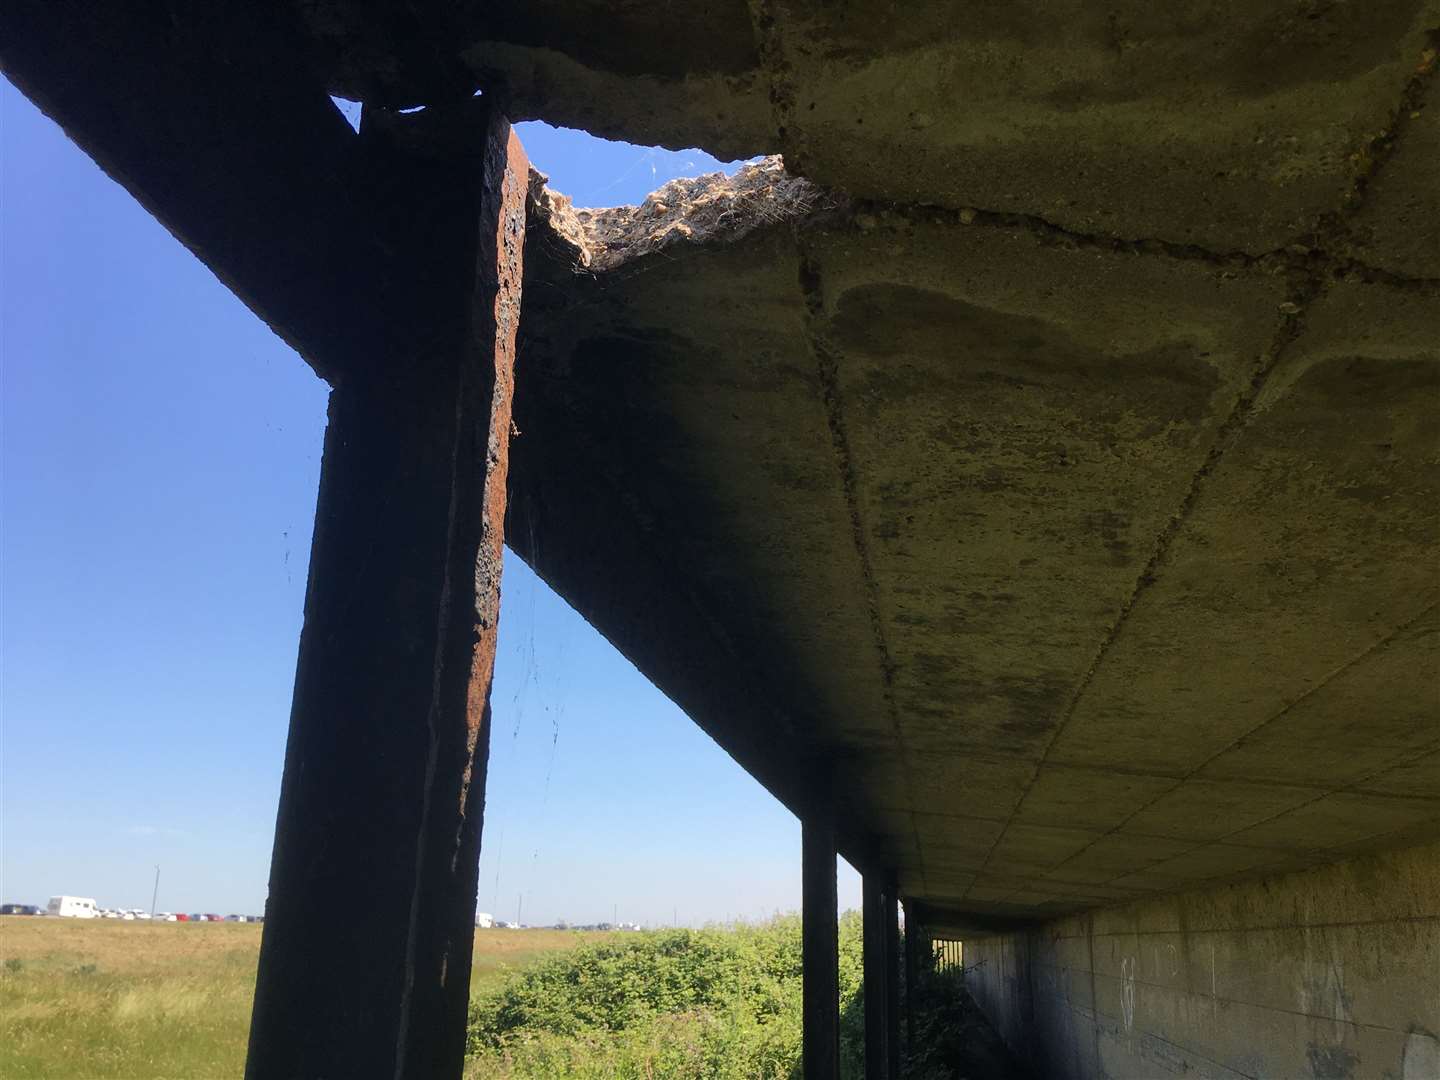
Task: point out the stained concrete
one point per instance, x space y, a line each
1230 125
1330 973
1093 570
1043 456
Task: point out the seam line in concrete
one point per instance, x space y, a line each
1321 792
1350 787
1100 1014
1308 283
1378 646
772 63
827 366
1300 294
1302 254
1182 991
1267 928
1381 148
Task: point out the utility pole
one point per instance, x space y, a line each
155 894
519 908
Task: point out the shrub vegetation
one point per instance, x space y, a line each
722 1003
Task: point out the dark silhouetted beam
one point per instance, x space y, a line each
365 960
876 964
890 915
212 117
914 957
820 947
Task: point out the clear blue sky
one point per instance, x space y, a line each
160 458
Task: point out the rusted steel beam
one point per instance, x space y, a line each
365 960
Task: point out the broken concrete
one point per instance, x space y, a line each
1233 127
1048 457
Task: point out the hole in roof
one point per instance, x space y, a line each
350 110
596 172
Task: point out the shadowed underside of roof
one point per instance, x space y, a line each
1045 464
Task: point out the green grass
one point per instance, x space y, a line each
102 999
91 999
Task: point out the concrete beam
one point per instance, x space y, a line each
872 910
890 915
882 965
212 117
383 795
914 958
820 946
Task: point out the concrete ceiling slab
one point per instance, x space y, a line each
1394 228
1085 569
1202 810
1088 798
1339 818
1419 778
1054 493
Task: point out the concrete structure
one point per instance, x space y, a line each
1033 481
1332 972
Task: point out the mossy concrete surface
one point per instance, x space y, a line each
1090 569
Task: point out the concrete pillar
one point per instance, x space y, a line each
365 960
820 946
890 914
913 960
877 962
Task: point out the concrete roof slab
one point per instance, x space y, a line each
1088 798
1417 778
1307 546
1339 818
1201 810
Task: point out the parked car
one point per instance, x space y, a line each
213 918
19 909
182 918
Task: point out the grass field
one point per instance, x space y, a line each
83 999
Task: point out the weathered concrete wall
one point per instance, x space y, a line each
1329 973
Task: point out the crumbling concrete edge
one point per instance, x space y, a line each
702 211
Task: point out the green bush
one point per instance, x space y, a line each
720 1003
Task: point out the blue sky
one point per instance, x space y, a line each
160 451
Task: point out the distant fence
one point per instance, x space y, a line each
949 954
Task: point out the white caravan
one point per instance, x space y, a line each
72 907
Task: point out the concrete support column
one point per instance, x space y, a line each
890 915
820 946
365 960
877 963
913 960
